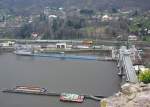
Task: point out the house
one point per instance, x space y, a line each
7 44
52 16
34 35
61 45
106 18
132 38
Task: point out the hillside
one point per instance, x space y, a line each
26 5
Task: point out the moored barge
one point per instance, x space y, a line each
65 97
26 90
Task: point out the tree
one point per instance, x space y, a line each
26 31
114 10
145 76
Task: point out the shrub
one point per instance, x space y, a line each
145 76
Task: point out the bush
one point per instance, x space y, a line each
145 76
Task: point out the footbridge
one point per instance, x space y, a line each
126 66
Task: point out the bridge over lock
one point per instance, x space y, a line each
125 65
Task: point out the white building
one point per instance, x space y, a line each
61 45
52 16
7 44
132 38
34 35
106 18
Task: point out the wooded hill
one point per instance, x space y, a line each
19 6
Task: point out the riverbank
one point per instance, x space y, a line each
7 49
131 95
98 42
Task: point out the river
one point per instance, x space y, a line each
85 77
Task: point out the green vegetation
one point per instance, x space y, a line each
73 20
140 24
87 12
145 76
146 38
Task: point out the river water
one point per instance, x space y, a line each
85 77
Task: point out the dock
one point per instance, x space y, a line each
96 98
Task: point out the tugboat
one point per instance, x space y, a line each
68 97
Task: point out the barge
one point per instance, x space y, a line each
61 55
23 52
65 97
26 89
30 89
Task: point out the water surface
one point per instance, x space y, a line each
85 77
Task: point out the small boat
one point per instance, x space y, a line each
71 97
